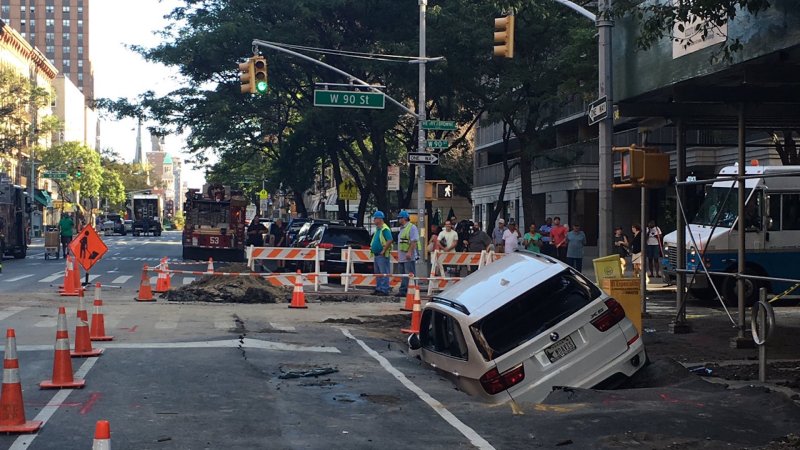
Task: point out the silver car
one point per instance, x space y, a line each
523 325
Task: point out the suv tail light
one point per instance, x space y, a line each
494 382
325 245
611 317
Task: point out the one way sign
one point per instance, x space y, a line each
431 159
598 110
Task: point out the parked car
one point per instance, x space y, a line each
113 224
308 229
292 228
334 238
524 324
128 226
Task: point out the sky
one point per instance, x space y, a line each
120 72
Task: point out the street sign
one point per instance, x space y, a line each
446 125
598 110
423 158
393 178
87 247
250 212
437 143
444 190
348 190
263 194
55 175
349 99
264 204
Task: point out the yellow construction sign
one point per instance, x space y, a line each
348 190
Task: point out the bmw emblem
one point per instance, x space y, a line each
554 336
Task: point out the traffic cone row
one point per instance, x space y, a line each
12 408
72 280
412 288
162 283
416 315
145 292
62 363
298 296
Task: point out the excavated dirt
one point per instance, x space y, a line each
225 289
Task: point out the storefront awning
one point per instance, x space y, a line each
43 197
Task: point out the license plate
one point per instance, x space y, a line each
560 349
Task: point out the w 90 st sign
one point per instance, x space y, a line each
349 99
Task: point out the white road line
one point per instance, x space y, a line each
52 277
121 279
21 277
25 441
188 280
437 406
46 323
280 327
10 311
228 343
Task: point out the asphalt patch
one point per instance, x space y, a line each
226 289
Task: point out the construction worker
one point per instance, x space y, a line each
381 250
408 239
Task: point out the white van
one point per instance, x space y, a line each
523 325
772 232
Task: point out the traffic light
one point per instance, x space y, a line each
504 36
78 171
640 166
444 191
260 74
246 76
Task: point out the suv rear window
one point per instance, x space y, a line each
342 237
531 313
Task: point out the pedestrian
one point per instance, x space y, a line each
464 229
497 236
653 251
478 240
66 228
532 241
433 241
621 247
277 236
547 242
407 241
511 238
381 250
636 249
255 233
576 240
558 234
448 238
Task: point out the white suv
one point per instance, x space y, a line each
523 325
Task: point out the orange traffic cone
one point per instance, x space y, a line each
62 364
412 288
82 314
83 343
416 316
210 267
70 287
298 296
102 436
12 408
98 331
162 284
145 293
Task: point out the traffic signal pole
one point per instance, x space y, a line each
421 269
606 132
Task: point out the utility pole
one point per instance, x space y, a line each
606 131
421 267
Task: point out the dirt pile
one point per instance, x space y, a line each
227 289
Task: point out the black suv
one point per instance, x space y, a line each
335 238
308 229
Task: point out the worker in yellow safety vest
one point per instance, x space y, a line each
381 249
408 250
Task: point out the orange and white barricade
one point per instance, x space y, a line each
351 256
289 254
370 280
439 259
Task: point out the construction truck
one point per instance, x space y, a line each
215 224
145 210
15 209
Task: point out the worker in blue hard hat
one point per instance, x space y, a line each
407 255
381 249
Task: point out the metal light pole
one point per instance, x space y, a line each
421 268
606 169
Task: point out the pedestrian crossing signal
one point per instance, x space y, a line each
444 190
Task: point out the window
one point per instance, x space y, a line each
80 24
65 23
22 24
80 38
22 9
65 9
791 212
80 50
80 10
65 38
33 38
49 9
80 63
533 312
32 23
50 38
66 64
50 49
80 76
32 10
24 35
49 22
774 212
5 10
65 49
441 333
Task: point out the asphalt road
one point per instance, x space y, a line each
211 376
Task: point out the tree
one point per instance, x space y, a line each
18 96
69 157
112 191
787 147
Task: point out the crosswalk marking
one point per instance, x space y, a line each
21 277
188 280
52 277
280 327
10 311
50 322
121 279
93 277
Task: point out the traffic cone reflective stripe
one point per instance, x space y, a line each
145 293
98 331
298 296
71 281
62 364
82 314
416 316
12 408
412 287
102 436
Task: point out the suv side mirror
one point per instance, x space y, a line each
414 343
